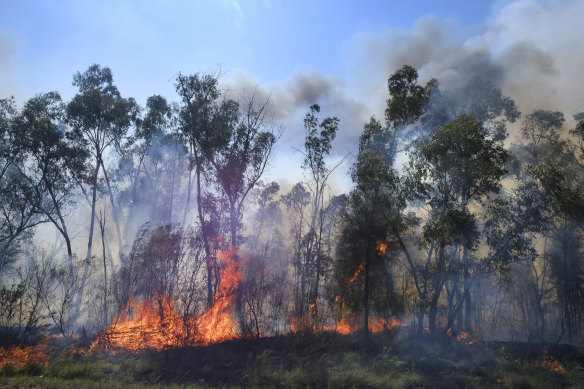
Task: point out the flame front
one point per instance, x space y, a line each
158 325
20 356
347 327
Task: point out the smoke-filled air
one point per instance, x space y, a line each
259 194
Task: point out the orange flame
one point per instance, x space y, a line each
553 365
462 337
348 326
217 324
313 305
146 328
20 356
163 327
381 247
354 277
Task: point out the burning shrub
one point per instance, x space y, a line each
20 357
157 323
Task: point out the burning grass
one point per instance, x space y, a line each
157 325
20 357
151 343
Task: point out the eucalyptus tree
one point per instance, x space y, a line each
229 142
142 154
51 161
296 202
449 170
407 103
418 111
241 155
199 94
19 199
268 212
552 165
99 118
317 145
368 220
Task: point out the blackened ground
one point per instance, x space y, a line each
306 360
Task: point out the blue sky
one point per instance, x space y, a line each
335 53
147 42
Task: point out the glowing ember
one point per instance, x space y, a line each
553 365
313 305
462 337
19 357
381 247
350 326
354 277
157 325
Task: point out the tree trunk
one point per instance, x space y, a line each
366 292
318 269
102 229
467 308
466 294
114 214
420 330
233 224
206 243
432 315
79 298
437 290
188 204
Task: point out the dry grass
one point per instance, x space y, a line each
312 361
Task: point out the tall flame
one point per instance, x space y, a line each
217 323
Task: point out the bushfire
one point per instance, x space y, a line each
158 325
20 356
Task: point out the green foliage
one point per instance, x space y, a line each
368 221
567 197
318 141
98 115
408 100
456 163
229 137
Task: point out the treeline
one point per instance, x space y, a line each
452 225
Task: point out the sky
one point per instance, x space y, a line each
338 54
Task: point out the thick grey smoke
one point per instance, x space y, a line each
531 49
290 101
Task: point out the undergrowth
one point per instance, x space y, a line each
323 360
